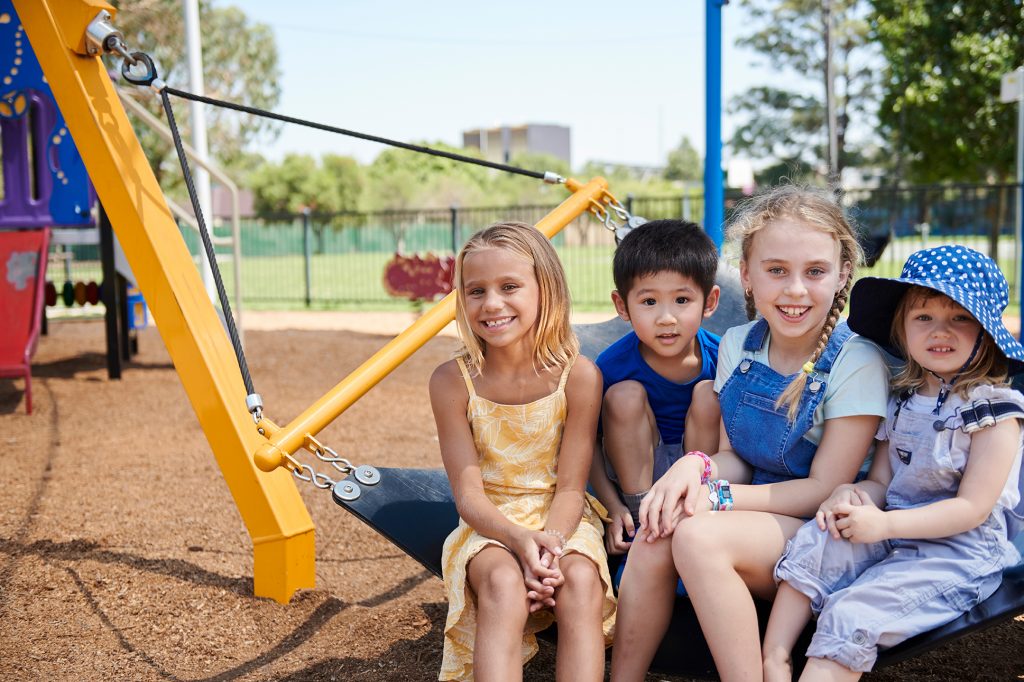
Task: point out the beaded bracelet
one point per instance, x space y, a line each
706 476
558 534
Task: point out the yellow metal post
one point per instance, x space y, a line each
273 512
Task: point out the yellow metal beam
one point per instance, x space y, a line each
273 512
288 439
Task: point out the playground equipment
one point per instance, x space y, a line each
413 508
23 270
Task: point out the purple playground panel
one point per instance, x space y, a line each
44 178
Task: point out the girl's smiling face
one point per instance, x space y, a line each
794 272
940 335
502 296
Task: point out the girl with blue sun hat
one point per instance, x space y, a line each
926 536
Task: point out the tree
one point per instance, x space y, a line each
240 64
684 163
333 185
940 96
790 125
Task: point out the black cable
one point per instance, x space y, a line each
222 294
352 133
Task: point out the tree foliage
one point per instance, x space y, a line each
240 64
791 125
940 106
331 185
684 163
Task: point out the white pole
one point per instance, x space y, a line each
194 49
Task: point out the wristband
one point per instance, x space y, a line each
720 495
713 495
724 495
706 476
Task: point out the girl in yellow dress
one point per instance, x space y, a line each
516 416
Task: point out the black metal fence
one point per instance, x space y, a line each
338 260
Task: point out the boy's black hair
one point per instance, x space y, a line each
665 245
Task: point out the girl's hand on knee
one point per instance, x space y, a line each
664 505
827 515
863 522
693 497
529 547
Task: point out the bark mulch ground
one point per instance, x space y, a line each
123 557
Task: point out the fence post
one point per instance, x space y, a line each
629 203
307 230
456 231
686 206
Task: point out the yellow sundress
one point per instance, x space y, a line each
518 447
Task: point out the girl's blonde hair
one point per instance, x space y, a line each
815 208
989 365
555 344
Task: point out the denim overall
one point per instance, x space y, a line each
760 433
872 596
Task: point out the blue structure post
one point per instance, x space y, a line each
714 198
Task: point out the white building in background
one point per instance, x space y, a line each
500 143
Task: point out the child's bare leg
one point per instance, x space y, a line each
824 670
703 419
578 607
723 558
630 435
502 608
790 615
646 600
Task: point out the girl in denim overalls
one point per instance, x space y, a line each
801 398
947 472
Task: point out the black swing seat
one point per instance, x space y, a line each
414 509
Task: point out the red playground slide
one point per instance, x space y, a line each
22 279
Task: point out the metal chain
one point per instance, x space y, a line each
335 460
310 475
346 489
603 213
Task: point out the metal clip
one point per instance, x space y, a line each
147 78
101 36
254 403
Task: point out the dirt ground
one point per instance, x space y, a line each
122 555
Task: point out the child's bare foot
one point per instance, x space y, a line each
778 666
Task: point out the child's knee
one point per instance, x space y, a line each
582 586
624 403
502 587
694 538
704 410
650 558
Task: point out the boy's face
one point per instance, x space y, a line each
665 310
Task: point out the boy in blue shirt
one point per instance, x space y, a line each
658 400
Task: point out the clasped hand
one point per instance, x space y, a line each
538 554
851 514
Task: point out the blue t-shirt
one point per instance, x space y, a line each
669 401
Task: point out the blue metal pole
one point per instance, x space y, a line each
714 196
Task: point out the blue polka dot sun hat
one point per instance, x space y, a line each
970 278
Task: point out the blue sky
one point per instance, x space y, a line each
628 78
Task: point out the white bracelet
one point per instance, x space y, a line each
557 534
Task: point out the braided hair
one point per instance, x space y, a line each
816 208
